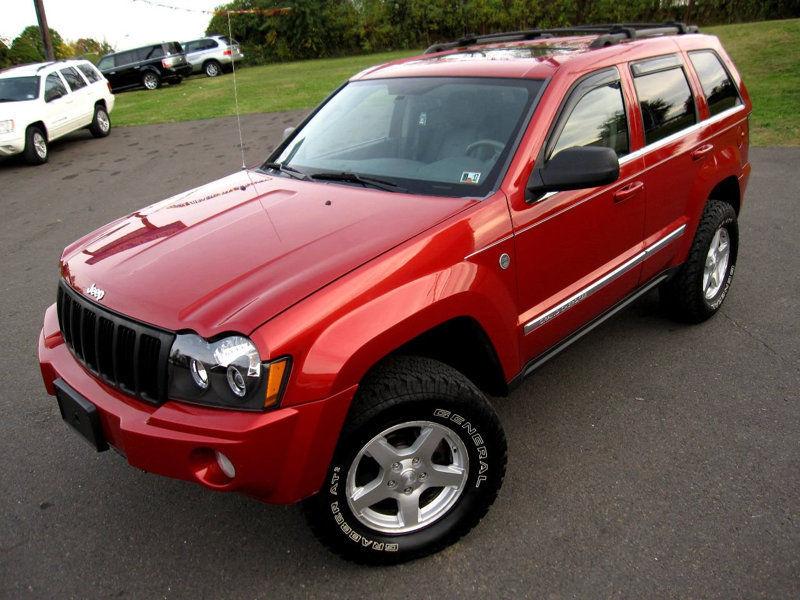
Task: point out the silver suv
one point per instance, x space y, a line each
213 54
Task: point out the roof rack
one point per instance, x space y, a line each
607 34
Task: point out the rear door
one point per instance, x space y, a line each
673 152
82 98
577 251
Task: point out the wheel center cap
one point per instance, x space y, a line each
409 477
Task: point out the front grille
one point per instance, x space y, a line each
124 353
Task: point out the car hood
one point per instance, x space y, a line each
232 254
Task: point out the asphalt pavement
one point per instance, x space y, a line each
649 460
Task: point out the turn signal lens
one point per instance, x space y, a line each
277 372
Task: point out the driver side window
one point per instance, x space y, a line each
53 88
597 119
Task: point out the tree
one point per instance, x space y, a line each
4 59
27 47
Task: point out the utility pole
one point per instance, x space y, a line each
48 43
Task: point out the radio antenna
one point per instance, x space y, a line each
236 92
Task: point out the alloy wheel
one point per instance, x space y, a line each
716 264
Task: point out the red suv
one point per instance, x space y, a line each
327 327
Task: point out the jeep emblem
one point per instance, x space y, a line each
95 292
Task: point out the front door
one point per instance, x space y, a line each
579 252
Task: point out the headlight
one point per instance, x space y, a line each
227 372
7 126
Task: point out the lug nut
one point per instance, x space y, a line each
391 483
423 476
396 466
408 490
415 462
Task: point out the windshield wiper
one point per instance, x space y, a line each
365 180
290 171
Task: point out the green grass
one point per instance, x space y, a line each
270 88
767 54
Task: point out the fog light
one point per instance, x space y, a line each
225 464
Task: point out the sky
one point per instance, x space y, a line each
123 23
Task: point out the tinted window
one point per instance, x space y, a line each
208 44
598 119
192 46
125 58
173 48
717 85
73 79
106 63
666 102
53 87
150 52
90 72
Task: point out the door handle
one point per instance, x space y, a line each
627 191
700 152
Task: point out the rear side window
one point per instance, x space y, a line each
664 96
73 79
126 58
90 73
718 87
173 48
150 52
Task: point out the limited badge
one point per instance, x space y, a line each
470 177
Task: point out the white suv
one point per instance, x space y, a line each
44 101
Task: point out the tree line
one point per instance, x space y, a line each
28 47
320 28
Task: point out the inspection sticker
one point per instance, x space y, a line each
470 177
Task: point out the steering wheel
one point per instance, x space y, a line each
494 145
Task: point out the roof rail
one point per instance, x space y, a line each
607 34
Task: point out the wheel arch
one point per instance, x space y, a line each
728 191
42 126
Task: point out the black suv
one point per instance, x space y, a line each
148 66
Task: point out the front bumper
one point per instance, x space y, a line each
280 456
12 143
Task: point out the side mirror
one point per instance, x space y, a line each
574 169
52 94
288 131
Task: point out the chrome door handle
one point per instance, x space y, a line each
702 151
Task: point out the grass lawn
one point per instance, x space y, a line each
766 53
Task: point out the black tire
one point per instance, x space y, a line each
37 150
683 295
212 68
176 81
403 390
101 122
151 80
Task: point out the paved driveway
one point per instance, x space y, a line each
648 460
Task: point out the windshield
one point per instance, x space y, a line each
16 89
429 135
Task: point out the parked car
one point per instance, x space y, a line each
42 102
212 55
327 327
148 66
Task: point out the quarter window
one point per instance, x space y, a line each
665 99
73 78
718 88
598 119
90 72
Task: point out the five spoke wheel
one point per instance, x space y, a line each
407 477
716 264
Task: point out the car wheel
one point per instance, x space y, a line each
176 81
699 288
151 80
212 68
36 148
419 461
101 122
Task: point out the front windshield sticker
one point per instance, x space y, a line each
470 177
